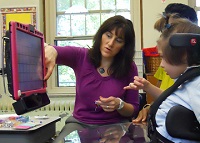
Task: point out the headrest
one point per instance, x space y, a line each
184 40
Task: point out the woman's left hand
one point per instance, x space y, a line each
108 104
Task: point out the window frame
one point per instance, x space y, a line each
192 3
50 30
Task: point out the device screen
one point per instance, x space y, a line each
30 69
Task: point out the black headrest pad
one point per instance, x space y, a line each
184 40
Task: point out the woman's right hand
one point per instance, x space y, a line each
50 59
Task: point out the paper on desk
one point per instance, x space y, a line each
27 125
41 117
5 116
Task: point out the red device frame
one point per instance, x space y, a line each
29 30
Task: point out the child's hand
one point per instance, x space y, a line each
142 116
138 83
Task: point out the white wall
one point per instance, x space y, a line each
26 3
1 48
151 11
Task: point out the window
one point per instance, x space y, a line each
74 23
196 5
198 10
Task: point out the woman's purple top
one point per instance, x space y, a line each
90 85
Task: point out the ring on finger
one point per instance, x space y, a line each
107 107
131 84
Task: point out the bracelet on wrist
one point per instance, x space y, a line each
121 104
146 105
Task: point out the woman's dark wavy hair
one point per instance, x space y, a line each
123 60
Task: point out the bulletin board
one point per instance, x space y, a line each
26 15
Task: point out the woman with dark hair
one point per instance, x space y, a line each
101 73
124 58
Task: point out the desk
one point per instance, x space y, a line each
38 134
114 133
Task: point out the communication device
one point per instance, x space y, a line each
25 67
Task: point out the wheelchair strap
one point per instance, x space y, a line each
188 75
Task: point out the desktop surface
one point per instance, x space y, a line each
113 133
38 134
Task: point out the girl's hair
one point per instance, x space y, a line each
181 55
162 23
123 60
180 11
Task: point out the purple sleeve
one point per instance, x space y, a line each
68 55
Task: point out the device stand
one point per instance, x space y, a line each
30 103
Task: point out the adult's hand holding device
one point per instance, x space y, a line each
50 59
